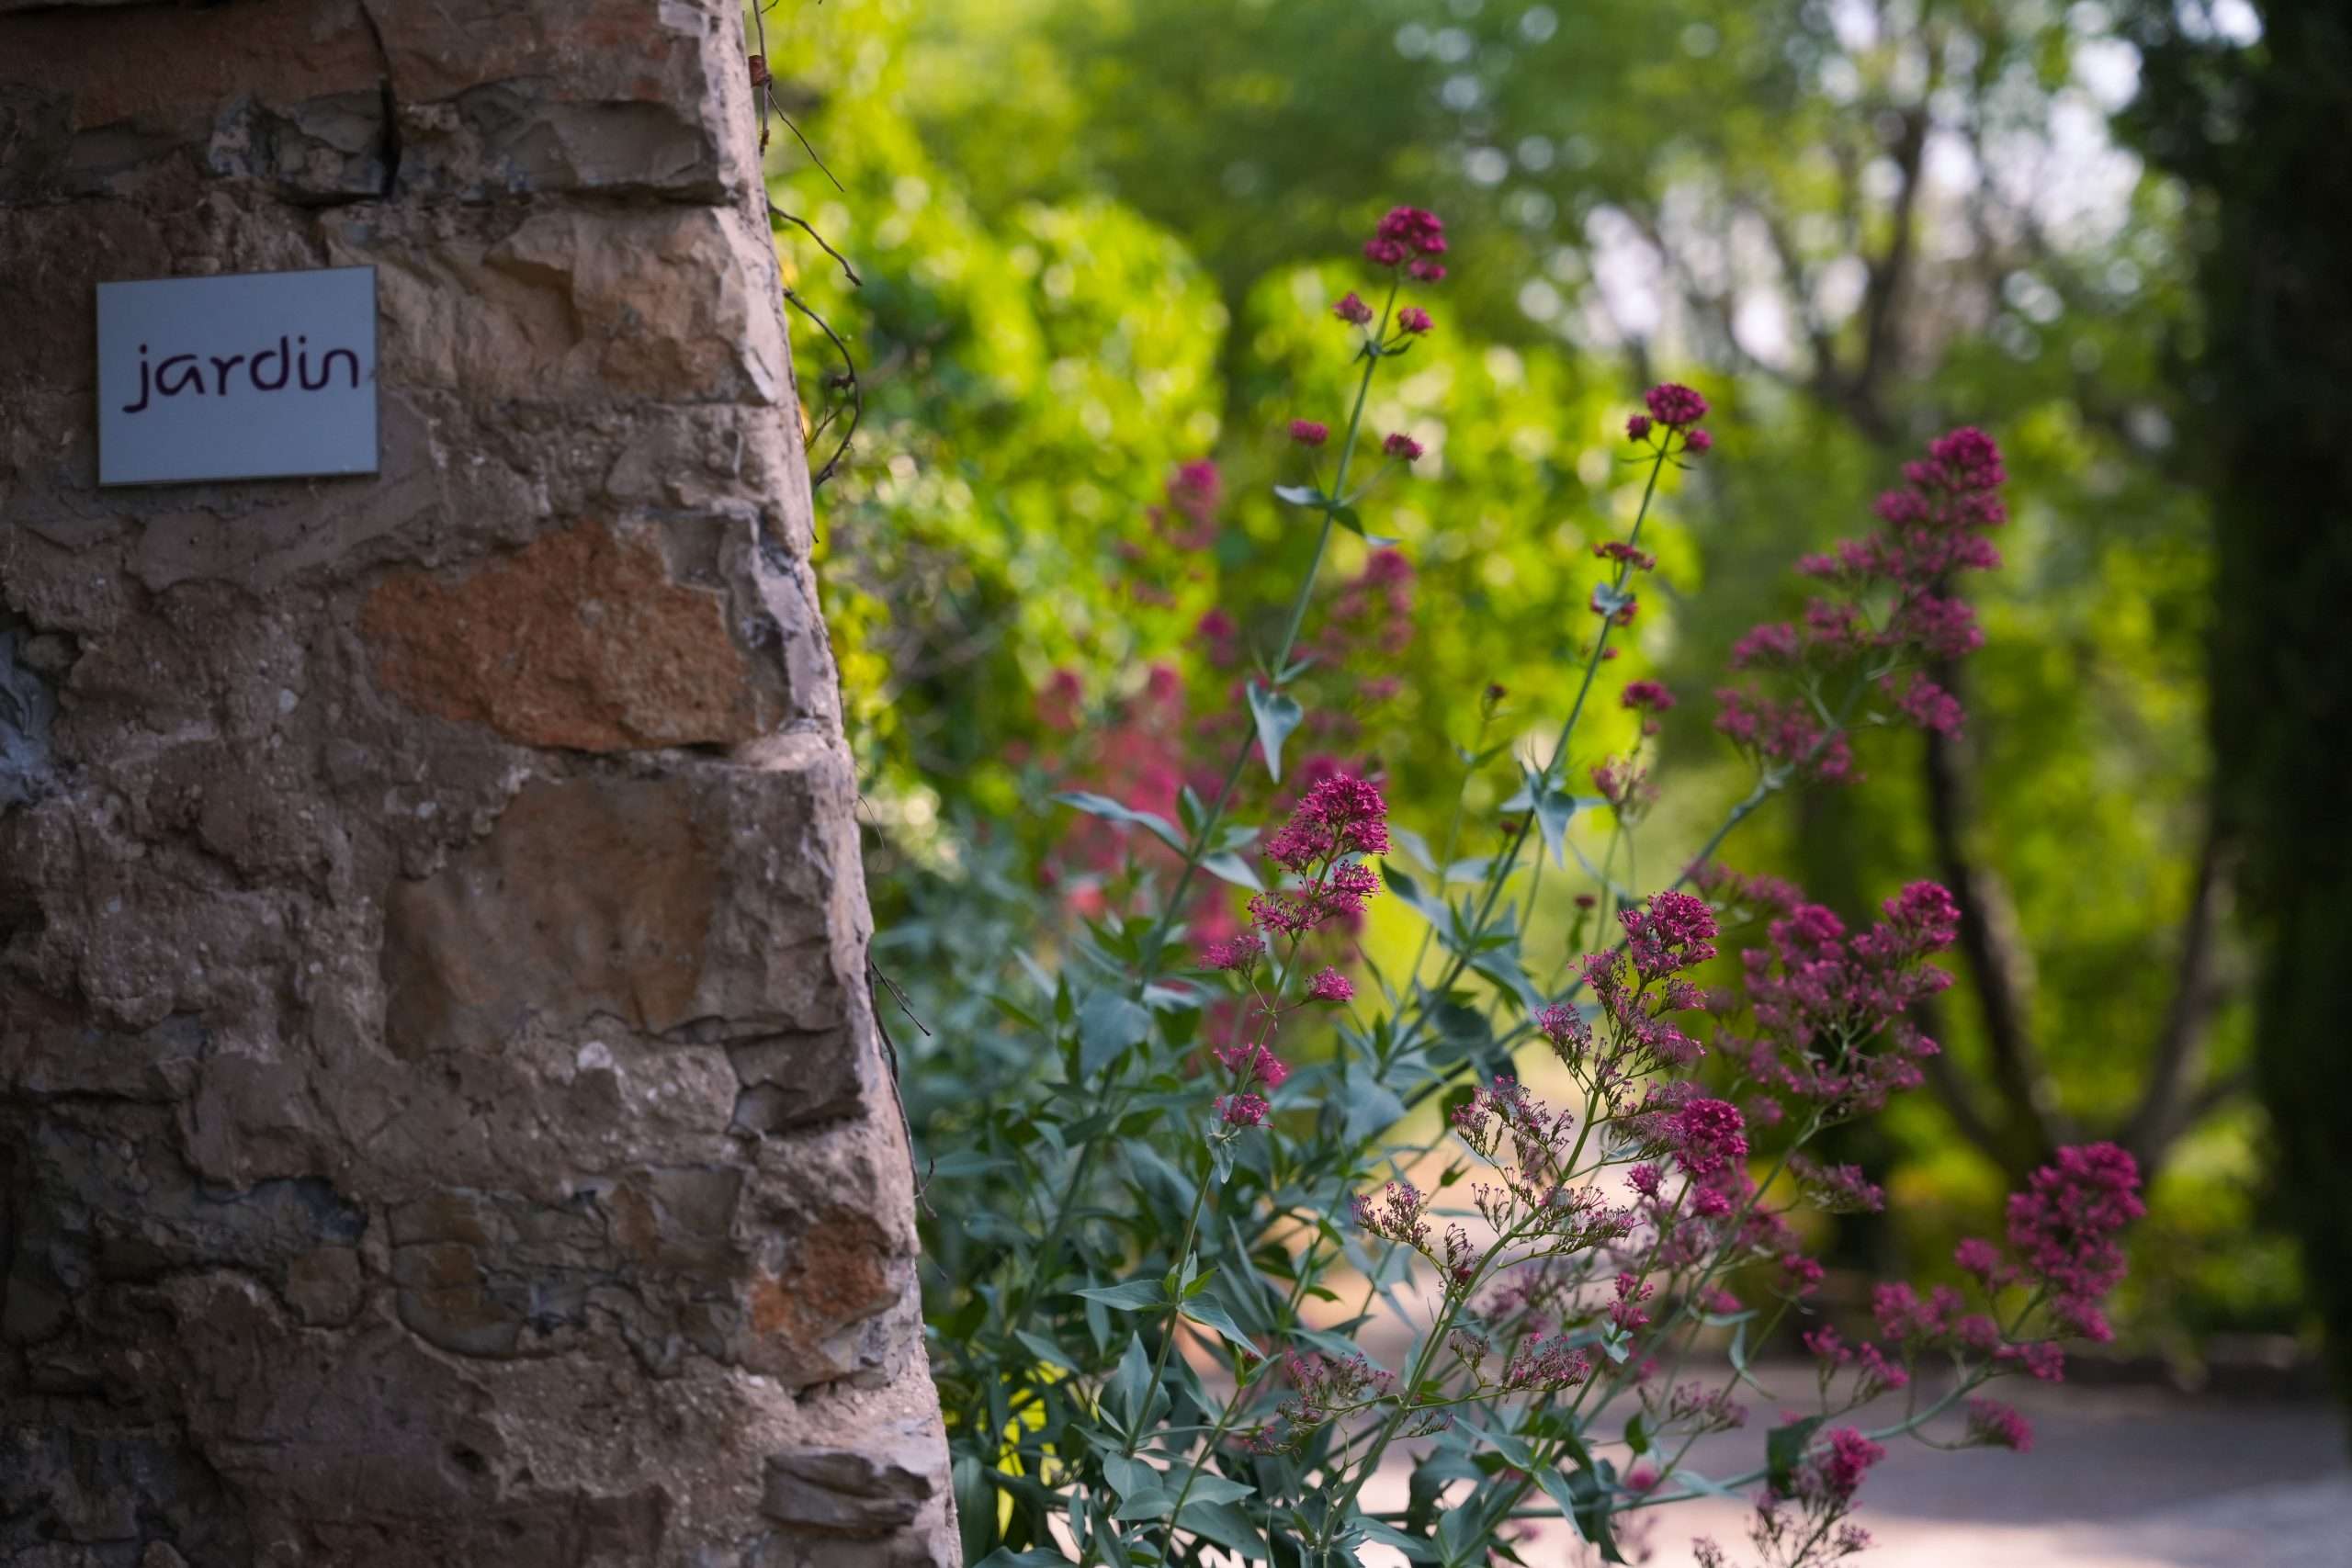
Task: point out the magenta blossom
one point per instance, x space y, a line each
1675 405
1243 1110
1342 815
1234 952
1253 1064
1400 445
1406 231
1995 1425
1645 696
1414 320
1331 985
1352 310
1309 432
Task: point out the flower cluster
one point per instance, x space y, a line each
1830 1009
2067 1229
1893 612
1576 1258
1636 988
1341 818
1410 238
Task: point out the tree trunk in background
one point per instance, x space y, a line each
2263 132
441 1121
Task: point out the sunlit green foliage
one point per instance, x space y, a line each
1099 237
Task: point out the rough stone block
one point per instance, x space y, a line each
581 639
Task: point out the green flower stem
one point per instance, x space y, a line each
1198 848
1175 1309
1298 621
1338 1510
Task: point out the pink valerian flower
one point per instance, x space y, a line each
1406 231
1839 1189
1325 1386
2065 1229
1620 550
1675 405
1674 932
1565 1027
1352 310
1930 530
1927 705
1057 704
1703 1409
1645 696
2044 1358
1771 644
1942 628
1697 441
1751 890
1637 427
1827 1347
1800 1275
1908 1317
1709 1137
1627 1312
1340 894
1875 1374
1995 1425
1546 1365
1331 985
1309 432
1785 734
1194 492
1830 1010
1833 1471
1623 783
1400 444
1372 613
1412 320
1242 1110
1977 1332
1252 1064
1234 952
1341 815
1402 1216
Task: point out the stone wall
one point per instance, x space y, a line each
441 1119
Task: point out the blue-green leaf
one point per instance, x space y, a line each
1230 867
1277 716
1552 806
1132 1296
1109 1026
1209 1309
1110 810
1211 1488
1785 1450
1401 884
1130 1385
1225 1524
1302 495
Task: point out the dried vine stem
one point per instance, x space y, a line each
842 382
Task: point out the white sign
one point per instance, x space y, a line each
256 376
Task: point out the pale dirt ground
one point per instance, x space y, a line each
2118 1478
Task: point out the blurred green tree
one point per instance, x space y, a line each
2259 131
1861 221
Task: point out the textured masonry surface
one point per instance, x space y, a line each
441 1119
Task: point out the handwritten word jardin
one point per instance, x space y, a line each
185 373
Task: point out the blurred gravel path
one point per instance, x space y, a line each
2118 1478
